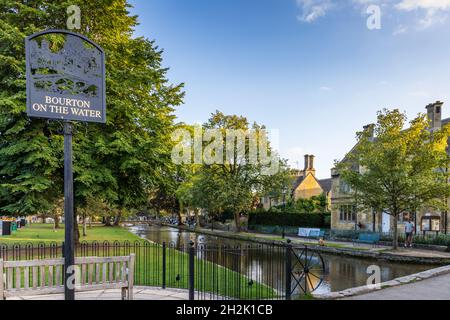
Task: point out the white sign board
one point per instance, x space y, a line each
308 232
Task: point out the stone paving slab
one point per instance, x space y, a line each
140 293
427 282
437 288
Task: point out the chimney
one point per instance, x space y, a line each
306 162
311 162
309 165
434 113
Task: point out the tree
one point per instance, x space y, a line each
120 162
231 181
396 170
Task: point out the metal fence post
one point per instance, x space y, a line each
164 264
191 270
288 271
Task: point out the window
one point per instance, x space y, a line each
347 213
344 187
431 224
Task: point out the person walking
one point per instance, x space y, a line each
409 229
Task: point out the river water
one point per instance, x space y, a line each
342 272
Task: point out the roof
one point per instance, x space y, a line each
297 183
445 121
326 184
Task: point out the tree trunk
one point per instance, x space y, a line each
118 218
56 222
84 226
76 231
237 220
197 218
107 221
395 239
179 217
90 222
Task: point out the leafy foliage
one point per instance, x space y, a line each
398 170
232 185
305 220
119 163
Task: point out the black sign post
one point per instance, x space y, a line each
66 82
69 256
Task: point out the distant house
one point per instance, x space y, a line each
345 216
305 185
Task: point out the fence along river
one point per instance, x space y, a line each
341 272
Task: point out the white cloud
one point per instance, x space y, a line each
410 5
325 88
427 12
435 10
311 10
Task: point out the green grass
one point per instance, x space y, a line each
209 277
37 233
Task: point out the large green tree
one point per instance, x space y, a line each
120 162
395 170
228 180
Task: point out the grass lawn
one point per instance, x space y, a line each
37 233
209 277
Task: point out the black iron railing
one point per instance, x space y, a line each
208 272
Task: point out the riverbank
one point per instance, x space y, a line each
365 251
433 284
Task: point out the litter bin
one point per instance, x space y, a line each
13 226
23 223
6 228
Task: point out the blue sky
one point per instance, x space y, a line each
309 68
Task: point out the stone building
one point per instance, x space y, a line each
345 216
305 185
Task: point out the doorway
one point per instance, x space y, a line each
386 222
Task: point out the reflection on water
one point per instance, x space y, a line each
267 265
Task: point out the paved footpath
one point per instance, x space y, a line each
140 293
437 288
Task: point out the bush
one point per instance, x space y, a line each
428 239
304 220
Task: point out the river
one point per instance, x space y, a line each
342 272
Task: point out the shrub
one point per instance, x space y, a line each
305 220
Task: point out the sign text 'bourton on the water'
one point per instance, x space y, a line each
65 79
62 107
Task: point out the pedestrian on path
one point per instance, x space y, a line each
409 229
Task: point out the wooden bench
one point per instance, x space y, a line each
36 277
368 238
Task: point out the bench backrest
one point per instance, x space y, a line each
369 237
21 278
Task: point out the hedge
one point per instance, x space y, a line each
303 220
